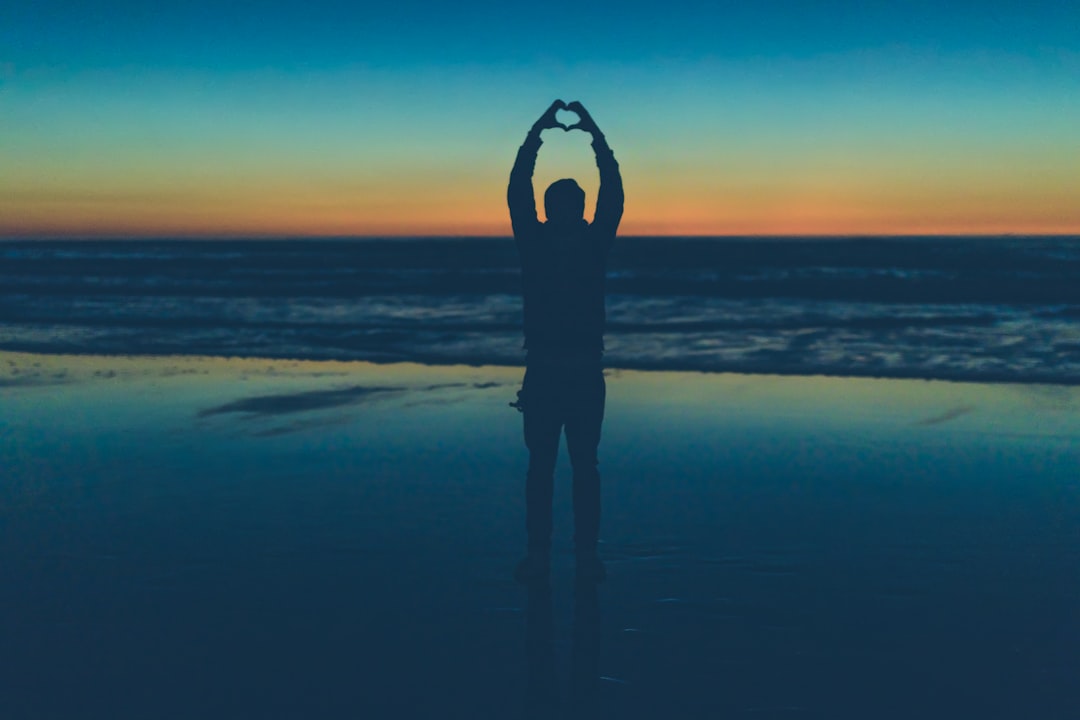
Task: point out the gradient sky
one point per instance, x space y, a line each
306 118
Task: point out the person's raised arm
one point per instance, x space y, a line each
519 193
609 199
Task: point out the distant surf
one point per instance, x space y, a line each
959 308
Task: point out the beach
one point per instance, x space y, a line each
190 536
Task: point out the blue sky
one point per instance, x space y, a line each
293 35
349 118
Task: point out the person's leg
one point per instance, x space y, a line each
586 394
543 425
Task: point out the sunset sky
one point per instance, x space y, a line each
130 118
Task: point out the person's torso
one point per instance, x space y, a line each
563 287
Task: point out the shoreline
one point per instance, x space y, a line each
745 369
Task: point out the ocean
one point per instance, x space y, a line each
280 479
986 309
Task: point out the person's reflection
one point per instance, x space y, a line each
585 658
563 264
542 693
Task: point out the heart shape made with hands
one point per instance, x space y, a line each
566 119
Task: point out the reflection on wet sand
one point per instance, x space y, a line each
777 546
543 695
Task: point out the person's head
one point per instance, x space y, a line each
564 202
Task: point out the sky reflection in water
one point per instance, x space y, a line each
225 538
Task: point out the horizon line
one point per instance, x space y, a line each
209 237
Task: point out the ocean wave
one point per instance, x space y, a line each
961 309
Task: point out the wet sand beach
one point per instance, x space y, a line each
205 537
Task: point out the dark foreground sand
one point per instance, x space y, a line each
209 538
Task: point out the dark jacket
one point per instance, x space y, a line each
562 269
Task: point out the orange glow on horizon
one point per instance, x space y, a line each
397 209
658 228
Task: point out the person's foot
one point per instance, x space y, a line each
590 567
534 568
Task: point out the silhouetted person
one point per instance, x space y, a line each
563 262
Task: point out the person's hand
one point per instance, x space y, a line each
586 122
547 120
